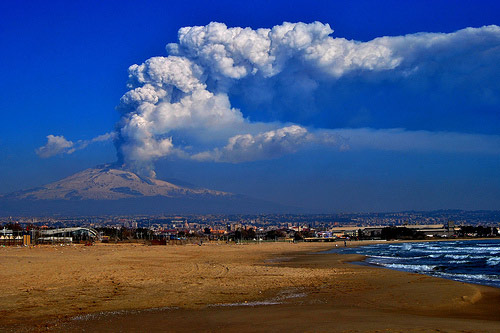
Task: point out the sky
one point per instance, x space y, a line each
334 106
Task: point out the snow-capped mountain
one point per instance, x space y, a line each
107 183
110 190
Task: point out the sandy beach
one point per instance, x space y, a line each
228 287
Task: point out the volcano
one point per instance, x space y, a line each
110 190
107 183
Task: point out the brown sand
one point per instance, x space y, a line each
47 286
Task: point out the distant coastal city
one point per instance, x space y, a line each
315 227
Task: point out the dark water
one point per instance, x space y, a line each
467 261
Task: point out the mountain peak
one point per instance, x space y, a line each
109 182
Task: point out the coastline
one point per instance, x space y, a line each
277 282
458 259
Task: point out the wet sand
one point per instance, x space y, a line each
220 287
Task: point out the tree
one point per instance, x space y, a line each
238 235
389 233
307 233
125 233
274 234
250 234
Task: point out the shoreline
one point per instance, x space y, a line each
326 283
365 257
472 311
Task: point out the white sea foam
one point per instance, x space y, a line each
471 277
388 257
467 261
457 256
459 261
493 261
409 267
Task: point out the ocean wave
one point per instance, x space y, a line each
471 277
493 261
459 261
457 256
394 257
466 261
410 267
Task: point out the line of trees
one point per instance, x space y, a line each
479 231
123 233
401 233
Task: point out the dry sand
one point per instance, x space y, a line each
277 286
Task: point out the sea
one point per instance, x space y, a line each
471 261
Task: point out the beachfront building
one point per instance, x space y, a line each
13 238
67 235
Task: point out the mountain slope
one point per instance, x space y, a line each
105 190
105 183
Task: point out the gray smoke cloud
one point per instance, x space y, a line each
399 139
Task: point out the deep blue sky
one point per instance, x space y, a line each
64 69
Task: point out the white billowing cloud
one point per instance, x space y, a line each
171 94
55 145
238 52
58 144
179 105
144 133
420 48
266 145
103 137
140 145
248 147
145 94
290 139
168 72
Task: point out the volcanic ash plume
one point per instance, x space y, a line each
186 93
179 105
